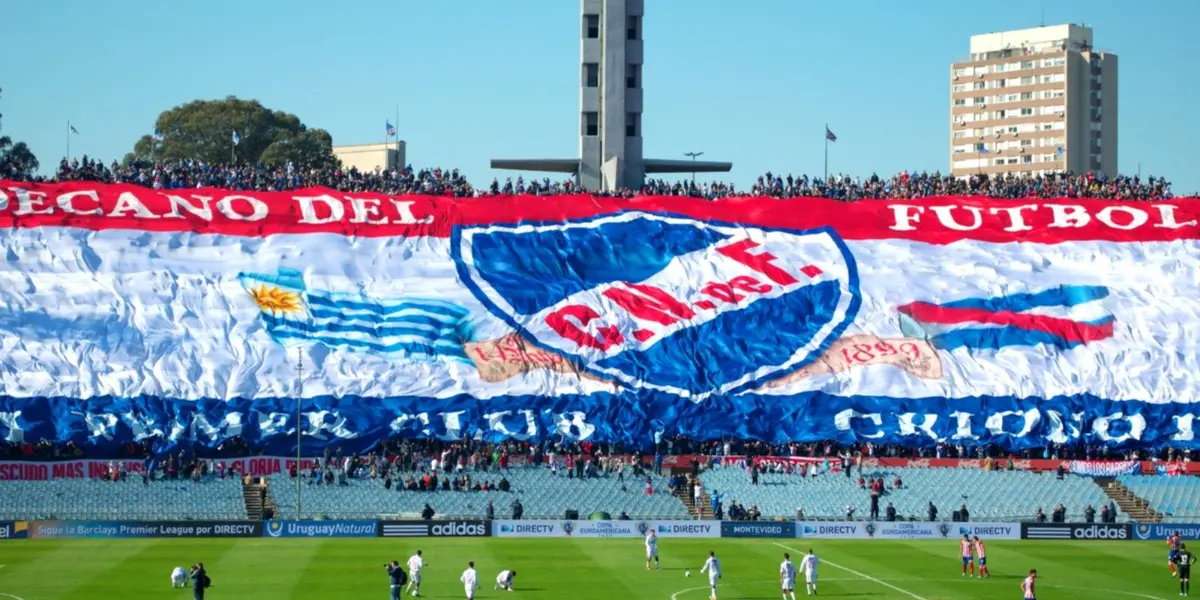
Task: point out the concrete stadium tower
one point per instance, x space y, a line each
610 105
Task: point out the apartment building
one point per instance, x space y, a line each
1033 101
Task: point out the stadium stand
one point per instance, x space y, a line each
542 494
97 499
451 182
1177 499
989 496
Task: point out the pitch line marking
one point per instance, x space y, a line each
856 573
676 595
11 596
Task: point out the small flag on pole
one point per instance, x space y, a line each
391 129
829 135
1062 149
73 130
237 139
982 149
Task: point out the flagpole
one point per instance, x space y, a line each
68 140
398 165
232 149
827 152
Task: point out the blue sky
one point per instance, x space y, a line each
748 82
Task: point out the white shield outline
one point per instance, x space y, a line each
461 251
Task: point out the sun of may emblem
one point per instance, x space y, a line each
275 300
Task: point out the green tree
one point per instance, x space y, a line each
203 129
16 159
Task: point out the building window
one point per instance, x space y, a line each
1027 64
1027 80
1027 95
1026 112
591 75
633 27
1026 143
591 27
591 123
960 102
979 85
633 78
633 124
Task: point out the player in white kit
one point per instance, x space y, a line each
469 580
504 581
652 550
712 566
179 577
415 564
809 566
787 577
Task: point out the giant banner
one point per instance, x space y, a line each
188 317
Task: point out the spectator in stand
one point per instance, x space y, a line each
1059 515
427 513
890 513
932 512
190 174
1089 514
1040 516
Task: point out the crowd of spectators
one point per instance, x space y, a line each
575 457
450 182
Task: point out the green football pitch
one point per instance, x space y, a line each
327 569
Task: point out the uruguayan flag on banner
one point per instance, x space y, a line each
1063 317
412 328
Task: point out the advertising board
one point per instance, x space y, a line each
144 529
454 528
1076 531
757 529
1161 531
322 529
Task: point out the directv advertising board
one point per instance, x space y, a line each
321 529
1161 531
989 531
830 530
695 529
757 529
144 529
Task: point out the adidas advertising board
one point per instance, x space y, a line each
1076 531
454 528
1161 531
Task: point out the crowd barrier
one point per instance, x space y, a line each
819 530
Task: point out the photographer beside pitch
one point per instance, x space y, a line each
397 577
201 579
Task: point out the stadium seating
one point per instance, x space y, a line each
95 499
989 496
543 496
1176 498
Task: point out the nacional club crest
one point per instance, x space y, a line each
664 303
944 529
643 527
568 528
870 529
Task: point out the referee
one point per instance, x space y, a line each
1183 563
397 577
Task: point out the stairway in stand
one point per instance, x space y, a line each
255 495
1129 503
703 511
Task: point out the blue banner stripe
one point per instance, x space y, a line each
1067 295
418 321
994 338
368 330
436 349
382 309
